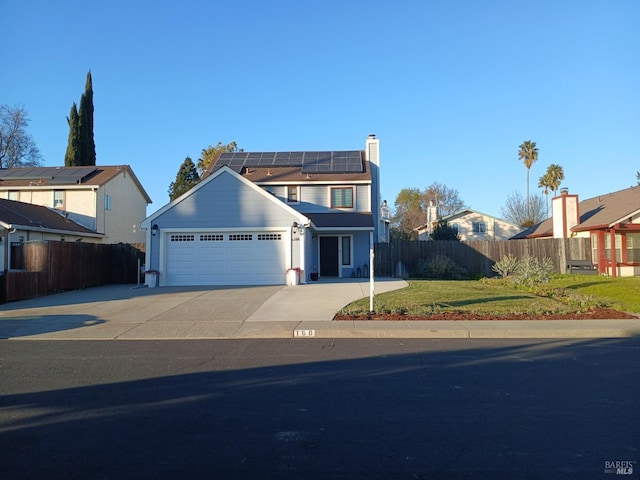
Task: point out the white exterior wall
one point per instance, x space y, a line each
561 205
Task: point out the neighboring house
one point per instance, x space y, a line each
472 225
612 221
257 215
108 200
21 222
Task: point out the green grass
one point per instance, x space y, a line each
622 293
496 297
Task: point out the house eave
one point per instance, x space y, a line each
54 231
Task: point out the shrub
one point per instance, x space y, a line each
532 272
506 266
441 267
529 272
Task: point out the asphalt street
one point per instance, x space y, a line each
318 408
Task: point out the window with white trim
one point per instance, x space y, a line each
58 199
293 194
13 195
479 227
633 247
107 202
346 250
342 197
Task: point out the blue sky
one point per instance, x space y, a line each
450 87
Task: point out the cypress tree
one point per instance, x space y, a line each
87 144
72 156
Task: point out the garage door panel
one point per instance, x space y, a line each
229 258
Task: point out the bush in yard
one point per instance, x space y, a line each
440 266
506 266
532 272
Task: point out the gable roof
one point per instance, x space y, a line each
296 167
466 211
61 177
598 212
225 170
25 216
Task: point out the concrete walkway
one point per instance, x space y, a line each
120 312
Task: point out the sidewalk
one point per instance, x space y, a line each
120 312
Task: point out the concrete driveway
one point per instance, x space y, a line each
126 312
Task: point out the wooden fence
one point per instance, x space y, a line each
477 257
52 266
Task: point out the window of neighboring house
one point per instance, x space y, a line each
633 247
58 199
594 248
479 227
346 250
342 197
13 195
607 246
455 226
107 202
292 194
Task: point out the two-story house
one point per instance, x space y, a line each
108 200
472 225
257 215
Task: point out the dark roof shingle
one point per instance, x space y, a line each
20 214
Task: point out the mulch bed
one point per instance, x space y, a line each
595 314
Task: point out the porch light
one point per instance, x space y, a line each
294 228
154 230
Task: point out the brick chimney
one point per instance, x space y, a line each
565 214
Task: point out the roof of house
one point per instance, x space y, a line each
25 216
598 212
60 177
463 212
292 167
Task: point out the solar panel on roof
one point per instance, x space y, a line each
347 161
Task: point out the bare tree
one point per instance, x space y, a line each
447 200
17 148
520 212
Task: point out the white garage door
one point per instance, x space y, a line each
225 258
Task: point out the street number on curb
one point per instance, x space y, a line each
304 333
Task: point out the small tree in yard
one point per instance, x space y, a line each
444 231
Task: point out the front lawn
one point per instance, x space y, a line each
498 298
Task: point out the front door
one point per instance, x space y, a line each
328 256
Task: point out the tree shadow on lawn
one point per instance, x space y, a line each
485 300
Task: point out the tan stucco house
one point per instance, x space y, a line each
473 225
108 200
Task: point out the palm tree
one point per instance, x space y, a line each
546 182
528 153
556 175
